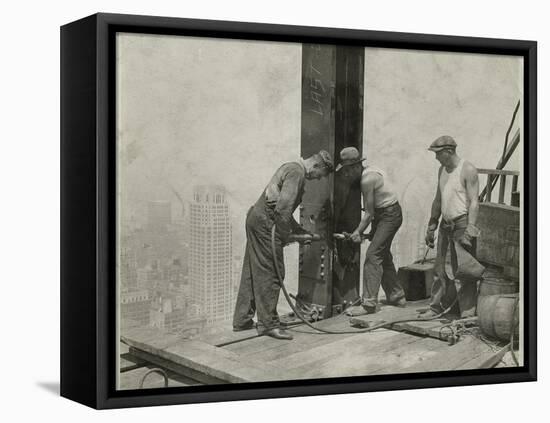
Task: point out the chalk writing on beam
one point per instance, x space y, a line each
317 89
315 82
317 106
316 49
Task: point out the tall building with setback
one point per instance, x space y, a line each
210 254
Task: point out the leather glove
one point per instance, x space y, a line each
301 231
369 236
472 230
430 236
300 238
306 241
356 237
430 233
470 233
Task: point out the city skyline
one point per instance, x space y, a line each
203 225
177 268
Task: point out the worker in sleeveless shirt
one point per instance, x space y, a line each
456 203
383 212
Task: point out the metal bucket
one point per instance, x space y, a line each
417 279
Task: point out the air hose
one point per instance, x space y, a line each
330 332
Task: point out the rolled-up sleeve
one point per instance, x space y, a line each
288 199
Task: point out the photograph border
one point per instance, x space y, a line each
88 209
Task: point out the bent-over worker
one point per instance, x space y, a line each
383 212
259 287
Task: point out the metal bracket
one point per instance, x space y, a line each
155 370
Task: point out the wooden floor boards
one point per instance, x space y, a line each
244 356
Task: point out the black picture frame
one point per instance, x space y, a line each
88 209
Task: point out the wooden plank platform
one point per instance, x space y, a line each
199 356
461 356
246 357
228 337
357 355
437 328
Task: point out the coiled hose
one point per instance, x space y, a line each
331 332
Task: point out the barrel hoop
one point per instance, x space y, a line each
493 311
513 321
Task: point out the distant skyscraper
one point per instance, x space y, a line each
128 266
134 307
210 254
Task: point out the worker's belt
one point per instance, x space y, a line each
459 222
381 209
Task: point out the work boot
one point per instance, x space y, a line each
360 310
401 302
468 313
369 309
428 314
279 333
248 326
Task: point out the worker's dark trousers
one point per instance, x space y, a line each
259 288
379 267
444 288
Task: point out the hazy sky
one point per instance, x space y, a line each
413 97
199 111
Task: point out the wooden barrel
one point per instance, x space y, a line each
497 286
498 314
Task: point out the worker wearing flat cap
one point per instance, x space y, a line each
259 287
455 210
383 212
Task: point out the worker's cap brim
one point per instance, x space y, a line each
441 147
341 165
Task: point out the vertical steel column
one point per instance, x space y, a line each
332 118
347 197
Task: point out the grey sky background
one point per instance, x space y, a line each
200 111
413 97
